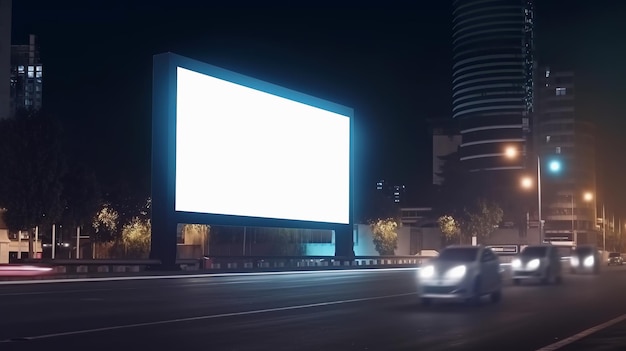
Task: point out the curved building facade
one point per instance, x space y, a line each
493 80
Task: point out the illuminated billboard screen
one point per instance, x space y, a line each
244 147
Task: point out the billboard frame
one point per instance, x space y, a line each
164 215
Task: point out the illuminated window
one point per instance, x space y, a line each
39 68
560 91
31 74
20 69
547 73
547 138
38 74
31 68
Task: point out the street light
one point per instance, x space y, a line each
511 152
527 182
554 166
588 196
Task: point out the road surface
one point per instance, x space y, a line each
328 310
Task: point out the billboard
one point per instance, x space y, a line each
229 149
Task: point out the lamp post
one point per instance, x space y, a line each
555 166
603 230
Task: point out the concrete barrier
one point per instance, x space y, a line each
82 269
103 269
60 269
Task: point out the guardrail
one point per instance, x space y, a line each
222 263
230 263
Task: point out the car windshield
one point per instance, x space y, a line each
583 251
614 254
536 251
462 254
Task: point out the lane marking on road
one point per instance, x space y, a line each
562 343
206 317
205 275
30 293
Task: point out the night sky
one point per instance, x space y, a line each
391 63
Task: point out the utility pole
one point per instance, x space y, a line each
603 229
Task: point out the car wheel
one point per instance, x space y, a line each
546 278
496 296
426 301
517 281
475 299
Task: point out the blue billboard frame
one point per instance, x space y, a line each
164 216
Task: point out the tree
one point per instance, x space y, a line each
481 219
449 227
105 224
136 238
33 165
384 236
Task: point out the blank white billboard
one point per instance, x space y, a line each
246 152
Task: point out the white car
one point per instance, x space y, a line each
461 272
539 262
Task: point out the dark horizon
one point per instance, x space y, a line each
391 64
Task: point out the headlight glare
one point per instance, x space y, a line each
457 272
574 261
533 264
588 262
516 263
427 272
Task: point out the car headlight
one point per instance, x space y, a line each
573 261
533 264
516 263
588 262
427 272
457 272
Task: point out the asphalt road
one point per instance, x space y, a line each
329 310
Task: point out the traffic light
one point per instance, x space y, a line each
554 166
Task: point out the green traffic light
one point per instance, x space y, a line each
555 166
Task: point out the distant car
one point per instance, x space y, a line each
539 262
585 259
461 272
615 258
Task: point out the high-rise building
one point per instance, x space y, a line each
492 80
26 76
5 58
562 136
446 141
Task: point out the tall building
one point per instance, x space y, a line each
5 57
391 193
562 136
26 76
446 141
492 80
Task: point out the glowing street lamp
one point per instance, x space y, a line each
527 182
511 152
588 196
